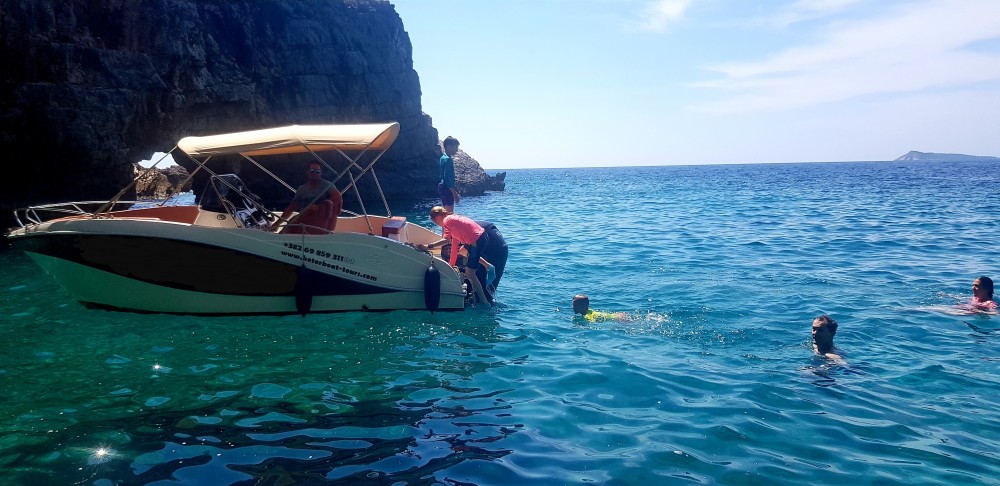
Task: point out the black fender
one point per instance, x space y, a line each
303 290
432 288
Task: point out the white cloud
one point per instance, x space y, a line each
660 14
160 159
920 46
804 10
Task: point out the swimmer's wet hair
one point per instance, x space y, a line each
828 321
986 284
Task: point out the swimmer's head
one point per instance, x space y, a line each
581 304
823 330
982 288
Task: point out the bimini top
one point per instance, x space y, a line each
294 139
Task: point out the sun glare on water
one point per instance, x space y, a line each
100 455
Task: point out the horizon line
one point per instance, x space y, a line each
977 159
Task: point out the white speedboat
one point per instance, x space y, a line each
220 257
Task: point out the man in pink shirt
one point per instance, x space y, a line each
462 230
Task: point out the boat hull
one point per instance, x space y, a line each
164 267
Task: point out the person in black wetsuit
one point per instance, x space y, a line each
496 253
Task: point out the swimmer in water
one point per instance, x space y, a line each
823 330
982 295
581 305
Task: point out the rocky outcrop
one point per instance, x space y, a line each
88 88
930 156
471 179
160 183
496 182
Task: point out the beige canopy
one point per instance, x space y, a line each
294 139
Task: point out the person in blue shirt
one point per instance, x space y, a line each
446 175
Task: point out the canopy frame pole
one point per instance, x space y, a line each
364 211
364 170
106 208
341 174
352 163
192 173
272 174
388 212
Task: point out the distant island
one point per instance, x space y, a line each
914 155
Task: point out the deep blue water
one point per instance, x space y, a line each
712 381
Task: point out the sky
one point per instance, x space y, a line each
605 83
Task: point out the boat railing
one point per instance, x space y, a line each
33 214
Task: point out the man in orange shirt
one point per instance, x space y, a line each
318 202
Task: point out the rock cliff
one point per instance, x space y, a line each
90 87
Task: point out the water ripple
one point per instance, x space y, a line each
709 380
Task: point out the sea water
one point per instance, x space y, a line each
710 380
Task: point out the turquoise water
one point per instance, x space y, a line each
712 381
